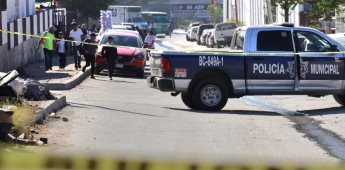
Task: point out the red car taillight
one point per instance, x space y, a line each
100 59
165 65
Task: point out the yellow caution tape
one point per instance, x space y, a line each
183 51
25 161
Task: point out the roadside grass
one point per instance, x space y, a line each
23 117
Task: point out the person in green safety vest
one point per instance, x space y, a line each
48 41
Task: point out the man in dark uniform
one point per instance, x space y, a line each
111 55
90 51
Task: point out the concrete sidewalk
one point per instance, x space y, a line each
57 79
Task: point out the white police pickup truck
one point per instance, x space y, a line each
265 60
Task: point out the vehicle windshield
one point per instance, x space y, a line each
122 40
160 18
227 26
138 19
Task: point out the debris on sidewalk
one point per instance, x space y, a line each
29 89
54 116
16 116
65 119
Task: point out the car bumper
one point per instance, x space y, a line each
161 83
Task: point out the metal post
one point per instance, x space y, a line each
236 11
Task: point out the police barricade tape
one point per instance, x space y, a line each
186 51
25 161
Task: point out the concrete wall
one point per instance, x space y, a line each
20 55
19 50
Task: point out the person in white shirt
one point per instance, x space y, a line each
150 40
76 35
61 49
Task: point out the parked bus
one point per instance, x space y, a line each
159 21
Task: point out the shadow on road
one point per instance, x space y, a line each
115 81
230 112
325 111
87 106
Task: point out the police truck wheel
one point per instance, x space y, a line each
210 95
187 100
340 99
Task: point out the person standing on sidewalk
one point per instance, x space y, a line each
111 55
61 49
90 48
76 35
48 41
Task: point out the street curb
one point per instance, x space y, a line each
68 85
53 106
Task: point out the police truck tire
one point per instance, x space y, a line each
187 100
210 95
340 99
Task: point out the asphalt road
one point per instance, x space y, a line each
125 117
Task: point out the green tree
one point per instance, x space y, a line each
326 9
87 8
286 5
214 13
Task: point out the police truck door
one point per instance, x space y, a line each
318 70
271 67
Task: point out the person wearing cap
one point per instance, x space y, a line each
48 41
61 49
76 35
90 48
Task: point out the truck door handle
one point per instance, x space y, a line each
258 58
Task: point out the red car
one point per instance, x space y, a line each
130 60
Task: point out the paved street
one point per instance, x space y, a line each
125 117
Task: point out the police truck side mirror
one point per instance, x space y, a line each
334 48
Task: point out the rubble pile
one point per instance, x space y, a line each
14 87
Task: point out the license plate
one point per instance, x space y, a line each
119 65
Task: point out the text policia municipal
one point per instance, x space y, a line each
318 69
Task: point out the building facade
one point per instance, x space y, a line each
256 12
188 9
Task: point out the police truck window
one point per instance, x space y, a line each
279 41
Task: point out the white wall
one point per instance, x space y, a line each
11 10
22 8
294 15
3 26
250 12
19 8
31 7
